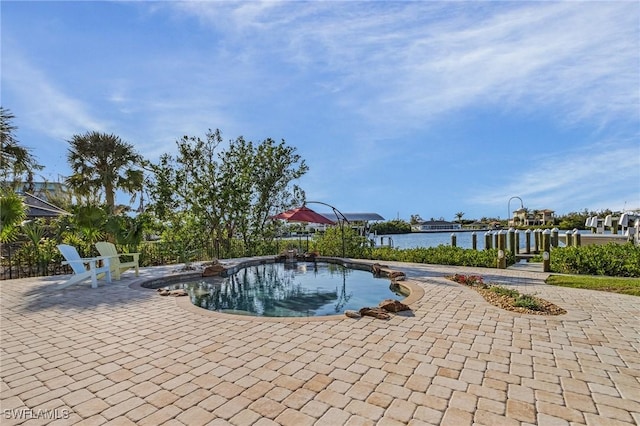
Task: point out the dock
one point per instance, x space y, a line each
599 239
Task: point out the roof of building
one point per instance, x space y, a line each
437 222
354 217
37 207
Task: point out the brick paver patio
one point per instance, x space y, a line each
120 354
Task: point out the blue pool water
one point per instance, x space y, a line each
300 289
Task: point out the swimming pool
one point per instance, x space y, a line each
298 289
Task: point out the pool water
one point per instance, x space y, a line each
300 289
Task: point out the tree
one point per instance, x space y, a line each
15 160
228 193
187 189
395 226
459 216
272 169
104 162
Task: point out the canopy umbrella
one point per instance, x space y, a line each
304 214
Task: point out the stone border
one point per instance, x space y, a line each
416 292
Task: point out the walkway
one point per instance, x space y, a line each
124 355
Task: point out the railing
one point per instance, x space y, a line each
21 260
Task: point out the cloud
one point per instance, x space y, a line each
370 82
46 108
606 171
577 59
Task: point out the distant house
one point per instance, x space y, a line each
436 226
43 189
476 226
359 222
526 217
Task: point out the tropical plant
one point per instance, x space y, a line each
459 216
35 232
16 161
104 163
13 211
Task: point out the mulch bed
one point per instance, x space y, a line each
505 301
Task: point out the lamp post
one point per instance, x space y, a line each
509 208
336 212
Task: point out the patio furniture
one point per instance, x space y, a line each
118 262
84 268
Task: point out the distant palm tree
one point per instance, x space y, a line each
15 160
537 217
459 216
104 162
415 219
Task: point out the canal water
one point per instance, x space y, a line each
434 239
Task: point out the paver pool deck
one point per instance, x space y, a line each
121 354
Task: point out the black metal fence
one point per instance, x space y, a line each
23 260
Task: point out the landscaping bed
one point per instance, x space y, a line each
508 299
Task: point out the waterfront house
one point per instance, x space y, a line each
526 217
436 226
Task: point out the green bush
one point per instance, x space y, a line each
332 243
396 226
441 255
615 260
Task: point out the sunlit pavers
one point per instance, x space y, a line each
123 354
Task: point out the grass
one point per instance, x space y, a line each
629 286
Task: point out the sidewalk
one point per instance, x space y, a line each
124 355
527 266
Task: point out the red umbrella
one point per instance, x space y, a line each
303 214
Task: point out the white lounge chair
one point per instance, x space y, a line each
84 268
118 266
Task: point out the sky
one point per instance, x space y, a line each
398 108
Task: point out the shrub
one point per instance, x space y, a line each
441 255
470 280
503 291
332 242
527 301
616 260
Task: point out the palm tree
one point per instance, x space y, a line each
104 162
459 217
15 160
415 219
